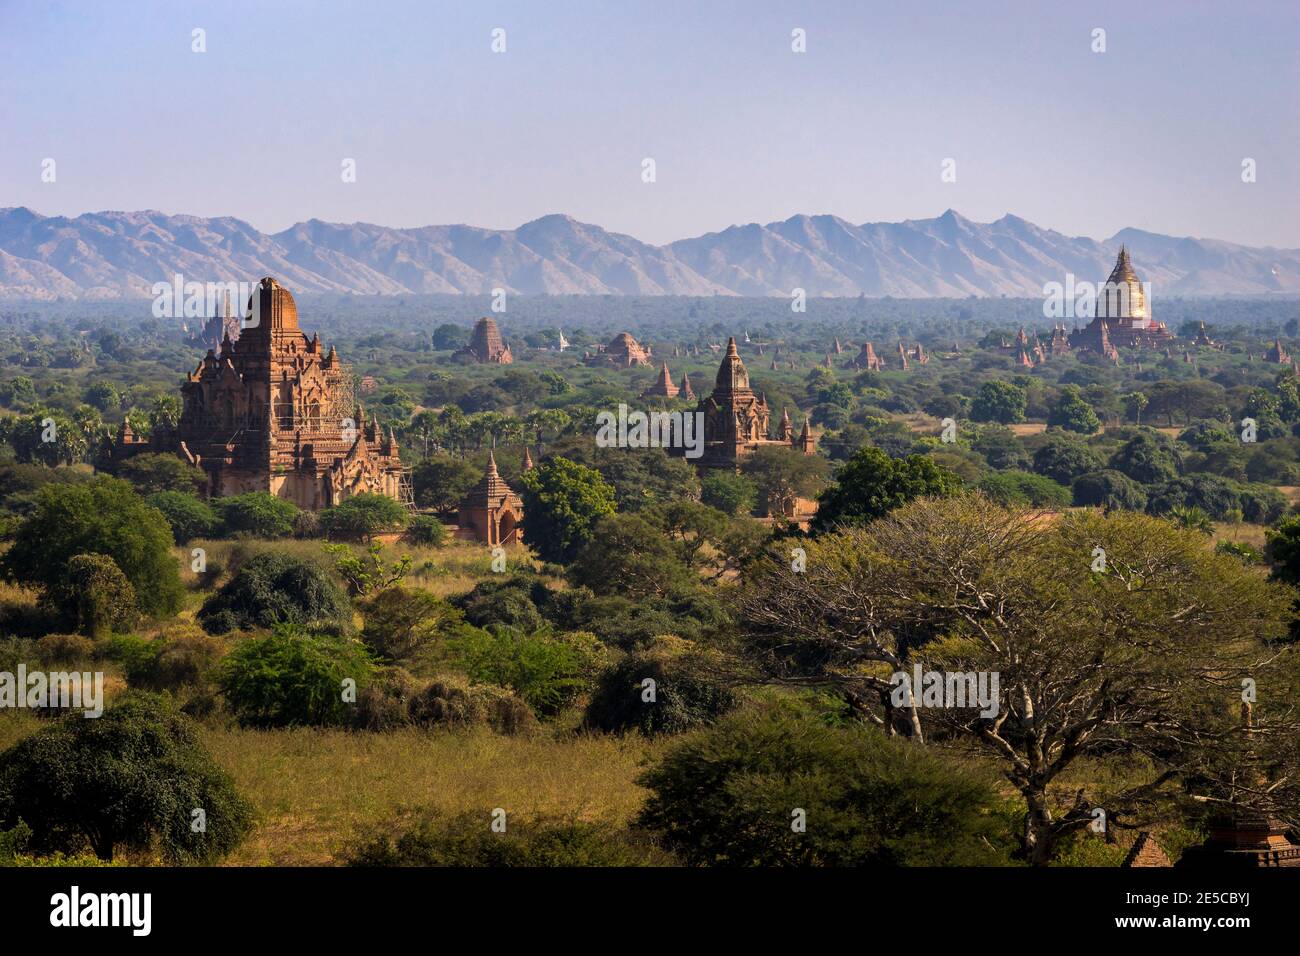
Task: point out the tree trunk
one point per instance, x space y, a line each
1040 838
914 714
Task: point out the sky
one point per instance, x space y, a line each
1151 133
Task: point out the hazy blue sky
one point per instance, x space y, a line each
1150 134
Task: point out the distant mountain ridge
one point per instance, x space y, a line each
112 255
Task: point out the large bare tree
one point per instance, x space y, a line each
1110 635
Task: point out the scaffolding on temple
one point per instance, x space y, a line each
406 490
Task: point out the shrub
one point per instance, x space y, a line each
426 531
726 795
1214 495
1087 850
1109 489
306 524
468 840
1262 504
447 703
188 517
272 588
627 624
131 778
509 601
95 596
64 649
730 493
103 516
400 623
547 671
152 473
361 517
385 702
367 573
1240 550
292 677
1009 488
137 656
685 695
1206 433
182 657
1064 459
17 650
257 514
1191 519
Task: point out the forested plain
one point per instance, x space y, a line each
669 671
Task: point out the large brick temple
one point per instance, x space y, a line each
737 421
270 412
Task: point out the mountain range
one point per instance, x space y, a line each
114 255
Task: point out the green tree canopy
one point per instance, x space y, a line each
783 475
103 516
1064 458
563 501
999 401
1025 488
1073 413
256 514
274 588
293 677
628 555
95 596
442 482
730 796
131 778
361 517
188 517
1146 459
150 473
871 484
1109 489
730 493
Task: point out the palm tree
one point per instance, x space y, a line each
1191 519
424 427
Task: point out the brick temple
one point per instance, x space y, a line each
486 346
269 412
737 421
1123 316
491 512
623 351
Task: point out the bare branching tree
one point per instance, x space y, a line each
1110 635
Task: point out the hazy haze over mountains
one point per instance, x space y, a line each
122 254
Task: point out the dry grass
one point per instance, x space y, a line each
318 791
449 570
1021 429
17 724
1240 533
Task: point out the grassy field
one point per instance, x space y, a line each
318 791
